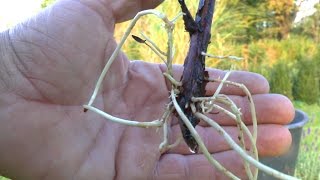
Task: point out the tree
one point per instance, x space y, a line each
310 26
281 16
241 20
256 19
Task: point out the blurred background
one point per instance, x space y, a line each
279 39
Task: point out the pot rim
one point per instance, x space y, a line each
301 123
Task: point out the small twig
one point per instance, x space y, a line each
222 57
157 53
177 17
153 45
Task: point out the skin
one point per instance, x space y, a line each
49 66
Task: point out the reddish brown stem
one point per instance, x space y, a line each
194 74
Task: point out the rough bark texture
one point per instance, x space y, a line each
194 74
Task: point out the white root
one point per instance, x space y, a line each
117 50
206 104
241 152
197 137
155 123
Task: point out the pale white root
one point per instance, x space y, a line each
155 123
206 104
197 137
117 50
241 152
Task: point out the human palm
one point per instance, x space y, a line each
52 63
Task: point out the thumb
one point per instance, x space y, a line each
126 9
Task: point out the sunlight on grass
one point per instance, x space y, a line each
308 166
313 112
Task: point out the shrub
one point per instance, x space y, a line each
307 82
281 79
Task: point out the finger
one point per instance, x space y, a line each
272 140
121 10
255 83
270 109
124 10
175 166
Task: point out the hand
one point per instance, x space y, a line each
49 66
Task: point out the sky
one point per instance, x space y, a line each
306 8
14 11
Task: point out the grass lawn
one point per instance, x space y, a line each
308 166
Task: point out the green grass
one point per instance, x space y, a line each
308 166
313 112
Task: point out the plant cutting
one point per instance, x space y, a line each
187 100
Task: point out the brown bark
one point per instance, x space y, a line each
194 74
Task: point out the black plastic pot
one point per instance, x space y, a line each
287 162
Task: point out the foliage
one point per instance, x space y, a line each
310 26
316 59
234 22
307 82
282 14
308 166
312 110
248 20
280 79
289 50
